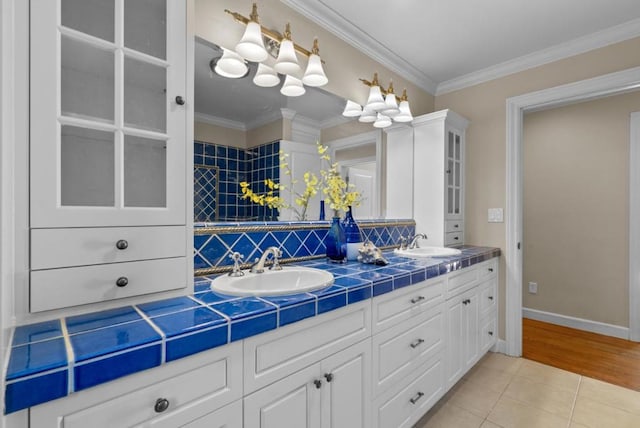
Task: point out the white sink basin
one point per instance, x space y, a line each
428 252
289 280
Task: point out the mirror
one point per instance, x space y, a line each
240 129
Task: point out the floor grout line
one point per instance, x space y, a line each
575 400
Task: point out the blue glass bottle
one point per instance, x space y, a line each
335 242
352 234
321 210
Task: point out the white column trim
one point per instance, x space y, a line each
608 84
634 227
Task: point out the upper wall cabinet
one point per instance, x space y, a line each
108 113
438 196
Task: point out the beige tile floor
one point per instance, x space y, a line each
506 392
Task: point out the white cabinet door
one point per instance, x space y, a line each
293 402
346 388
107 133
462 334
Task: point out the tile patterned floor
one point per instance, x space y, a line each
506 392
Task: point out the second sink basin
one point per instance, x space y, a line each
428 252
289 280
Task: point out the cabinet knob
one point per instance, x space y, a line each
122 244
490 333
122 281
490 297
328 377
162 404
417 299
490 269
317 383
179 100
417 343
456 226
416 397
455 238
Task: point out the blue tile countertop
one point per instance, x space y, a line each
52 359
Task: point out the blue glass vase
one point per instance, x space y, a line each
321 210
336 242
352 235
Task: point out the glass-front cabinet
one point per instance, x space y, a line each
107 112
108 133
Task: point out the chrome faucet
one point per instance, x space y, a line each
414 241
237 258
258 266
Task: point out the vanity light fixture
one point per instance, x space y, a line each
383 107
251 47
292 87
230 65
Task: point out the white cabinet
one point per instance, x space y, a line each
333 393
438 196
108 144
182 393
462 332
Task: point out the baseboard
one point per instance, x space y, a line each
577 323
500 347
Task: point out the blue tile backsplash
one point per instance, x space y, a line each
52 359
215 242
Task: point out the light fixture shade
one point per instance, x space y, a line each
292 87
287 62
231 65
391 105
352 109
251 46
375 101
367 115
382 121
405 113
314 74
266 76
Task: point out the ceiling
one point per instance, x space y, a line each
442 45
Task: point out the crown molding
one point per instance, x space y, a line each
334 121
264 119
218 121
599 39
347 31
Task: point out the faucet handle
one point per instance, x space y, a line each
403 242
237 259
277 253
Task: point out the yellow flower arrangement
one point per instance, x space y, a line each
338 194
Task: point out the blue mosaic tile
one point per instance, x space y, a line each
95 343
29 392
418 276
331 302
36 332
433 271
357 294
188 344
247 327
96 320
341 270
210 297
36 357
105 369
294 313
167 306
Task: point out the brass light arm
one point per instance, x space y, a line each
273 35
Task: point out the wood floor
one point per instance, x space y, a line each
609 359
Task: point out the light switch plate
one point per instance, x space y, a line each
496 215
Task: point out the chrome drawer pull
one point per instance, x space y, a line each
417 397
417 343
122 281
162 404
122 244
417 299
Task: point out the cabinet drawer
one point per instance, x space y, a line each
488 334
405 405
488 297
488 269
392 308
56 248
60 288
453 226
453 238
399 350
229 416
274 355
462 280
197 391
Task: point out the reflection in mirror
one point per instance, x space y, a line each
240 129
